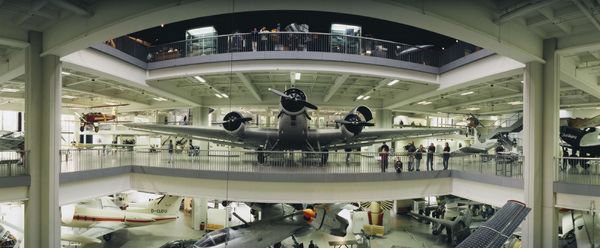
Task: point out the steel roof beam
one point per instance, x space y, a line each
248 84
339 81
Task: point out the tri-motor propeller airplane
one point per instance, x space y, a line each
293 132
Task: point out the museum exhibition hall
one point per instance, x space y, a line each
299 124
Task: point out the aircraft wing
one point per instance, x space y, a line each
334 139
495 231
252 138
93 232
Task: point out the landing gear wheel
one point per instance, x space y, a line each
96 128
107 237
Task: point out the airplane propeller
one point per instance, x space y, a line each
291 98
357 123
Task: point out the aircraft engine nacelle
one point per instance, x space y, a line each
235 123
293 105
355 121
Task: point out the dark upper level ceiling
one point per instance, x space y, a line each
318 22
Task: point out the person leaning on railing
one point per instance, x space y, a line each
430 152
384 152
446 156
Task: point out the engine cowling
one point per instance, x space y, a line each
355 121
290 106
235 123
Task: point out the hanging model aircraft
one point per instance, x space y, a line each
11 141
293 132
91 120
496 136
279 222
102 219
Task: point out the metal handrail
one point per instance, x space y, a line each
277 162
294 41
578 170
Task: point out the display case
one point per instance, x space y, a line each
201 41
345 38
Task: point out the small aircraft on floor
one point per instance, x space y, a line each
91 120
457 229
279 222
102 217
293 132
7 240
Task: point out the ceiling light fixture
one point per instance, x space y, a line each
467 93
160 99
393 82
224 95
297 75
111 103
199 78
68 97
360 97
9 90
424 103
472 109
65 73
515 103
366 97
219 96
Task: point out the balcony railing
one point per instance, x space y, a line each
280 162
293 41
13 163
577 170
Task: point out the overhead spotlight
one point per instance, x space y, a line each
224 95
443 48
68 97
467 93
199 78
366 97
160 99
515 103
9 90
162 25
66 73
111 103
219 96
393 82
472 109
424 103
360 97
456 41
297 75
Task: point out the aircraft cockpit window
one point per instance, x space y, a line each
213 238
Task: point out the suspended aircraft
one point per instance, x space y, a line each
90 120
7 239
279 222
102 218
293 132
496 136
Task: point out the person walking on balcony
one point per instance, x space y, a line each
170 150
430 152
446 156
254 37
384 152
411 149
419 156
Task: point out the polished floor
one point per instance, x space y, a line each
406 232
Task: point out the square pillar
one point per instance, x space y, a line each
199 213
384 118
42 140
541 103
200 118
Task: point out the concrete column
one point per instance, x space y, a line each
550 135
268 119
384 118
199 215
540 143
42 140
200 118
